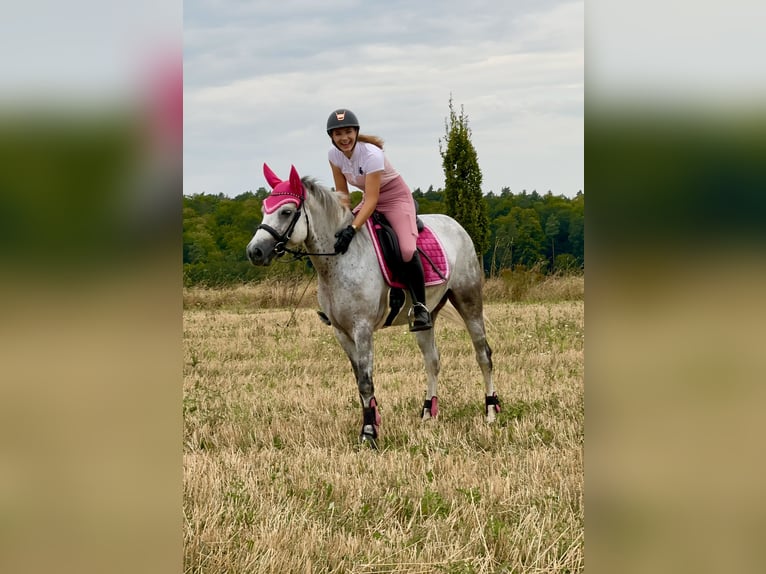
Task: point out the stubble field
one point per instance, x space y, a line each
274 480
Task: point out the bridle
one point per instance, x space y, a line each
282 238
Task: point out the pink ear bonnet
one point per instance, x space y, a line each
290 191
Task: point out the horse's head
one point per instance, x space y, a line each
282 224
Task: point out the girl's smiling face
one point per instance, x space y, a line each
344 139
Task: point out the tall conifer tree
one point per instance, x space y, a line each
463 198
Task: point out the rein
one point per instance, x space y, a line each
281 248
298 302
298 255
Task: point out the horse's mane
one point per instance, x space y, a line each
328 199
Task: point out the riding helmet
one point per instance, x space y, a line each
342 119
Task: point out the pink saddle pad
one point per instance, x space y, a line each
430 245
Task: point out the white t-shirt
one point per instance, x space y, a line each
366 158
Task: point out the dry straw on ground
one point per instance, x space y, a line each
274 480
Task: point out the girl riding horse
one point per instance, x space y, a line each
354 294
358 159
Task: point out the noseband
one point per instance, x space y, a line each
282 238
281 246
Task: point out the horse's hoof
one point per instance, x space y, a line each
367 440
492 407
430 409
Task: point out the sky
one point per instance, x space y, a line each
261 79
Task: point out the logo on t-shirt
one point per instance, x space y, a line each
360 170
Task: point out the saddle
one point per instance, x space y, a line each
386 244
432 256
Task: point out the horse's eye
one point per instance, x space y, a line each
286 212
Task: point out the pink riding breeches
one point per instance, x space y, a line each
396 203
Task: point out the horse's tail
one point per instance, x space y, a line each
451 314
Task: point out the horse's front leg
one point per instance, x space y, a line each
359 348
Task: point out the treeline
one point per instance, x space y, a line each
527 230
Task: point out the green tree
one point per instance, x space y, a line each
501 252
577 228
552 226
431 201
525 230
462 189
528 237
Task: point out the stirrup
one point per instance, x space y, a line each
420 324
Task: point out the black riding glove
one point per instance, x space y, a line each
344 239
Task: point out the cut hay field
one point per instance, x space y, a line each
274 480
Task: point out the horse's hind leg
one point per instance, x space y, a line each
427 344
472 311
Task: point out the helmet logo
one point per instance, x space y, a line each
340 115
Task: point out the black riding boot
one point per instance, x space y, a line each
412 271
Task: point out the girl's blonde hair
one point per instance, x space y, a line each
374 140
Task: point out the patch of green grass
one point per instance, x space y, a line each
239 503
543 434
472 494
433 504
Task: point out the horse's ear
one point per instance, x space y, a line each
270 176
295 182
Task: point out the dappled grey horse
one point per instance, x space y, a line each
352 291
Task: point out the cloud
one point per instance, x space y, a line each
260 81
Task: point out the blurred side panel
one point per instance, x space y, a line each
676 276
91 110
